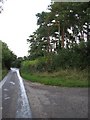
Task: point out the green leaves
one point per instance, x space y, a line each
7 56
70 49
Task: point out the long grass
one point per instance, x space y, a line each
64 78
4 73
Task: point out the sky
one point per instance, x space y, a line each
18 21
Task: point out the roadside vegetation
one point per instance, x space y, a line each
56 55
4 73
63 78
59 50
52 70
7 59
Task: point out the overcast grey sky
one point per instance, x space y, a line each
18 21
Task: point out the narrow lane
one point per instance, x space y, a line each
14 99
57 102
45 101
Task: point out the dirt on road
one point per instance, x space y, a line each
57 102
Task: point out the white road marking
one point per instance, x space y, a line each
7 98
5 89
12 83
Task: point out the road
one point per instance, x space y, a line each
14 99
57 102
34 100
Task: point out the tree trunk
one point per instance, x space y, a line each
88 32
63 38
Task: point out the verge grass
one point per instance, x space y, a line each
4 73
64 78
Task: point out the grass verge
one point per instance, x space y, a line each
4 73
64 78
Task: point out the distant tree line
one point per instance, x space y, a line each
9 59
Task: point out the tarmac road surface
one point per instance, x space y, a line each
14 99
40 101
57 102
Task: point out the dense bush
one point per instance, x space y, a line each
41 64
29 66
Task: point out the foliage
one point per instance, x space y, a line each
61 42
29 66
1 5
53 45
7 56
75 58
52 33
17 62
4 73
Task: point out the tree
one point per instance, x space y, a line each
7 56
53 36
1 5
